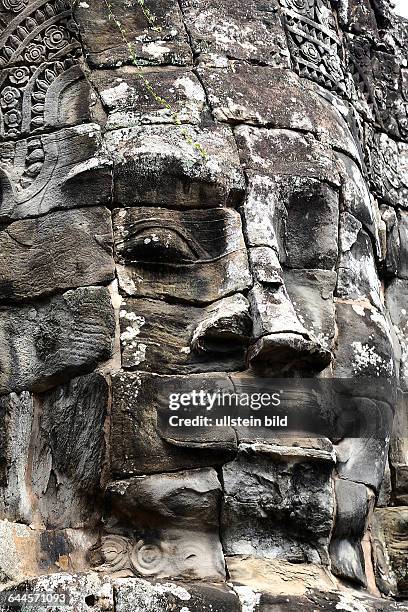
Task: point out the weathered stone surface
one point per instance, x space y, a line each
19 548
124 95
143 596
161 166
357 271
3 445
44 343
103 593
54 447
245 32
142 441
72 425
396 300
54 171
356 198
278 98
390 528
346 552
319 601
85 591
392 238
277 577
307 231
169 338
399 452
385 494
27 552
169 524
201 253
401 244
358 16
285 152
157 35
311 293
277 506
58 251
296 216
363 459
260 211
364 343
16 423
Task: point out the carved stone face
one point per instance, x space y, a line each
249 218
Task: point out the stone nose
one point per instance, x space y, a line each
280 342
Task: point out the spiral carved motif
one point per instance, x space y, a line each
147 558
14 5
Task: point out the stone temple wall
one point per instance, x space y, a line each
232 207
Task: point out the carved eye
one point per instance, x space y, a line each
160 245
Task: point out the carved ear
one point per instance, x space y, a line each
227 325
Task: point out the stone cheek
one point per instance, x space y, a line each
43 344
365 346
166 338
53 453
56 252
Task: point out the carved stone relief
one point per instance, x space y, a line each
200 195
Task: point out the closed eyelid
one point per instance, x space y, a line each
151 227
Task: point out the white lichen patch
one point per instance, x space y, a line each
367 358
345 604
248 597
157 50
174 589
139 354
114 95
128 335
192 89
